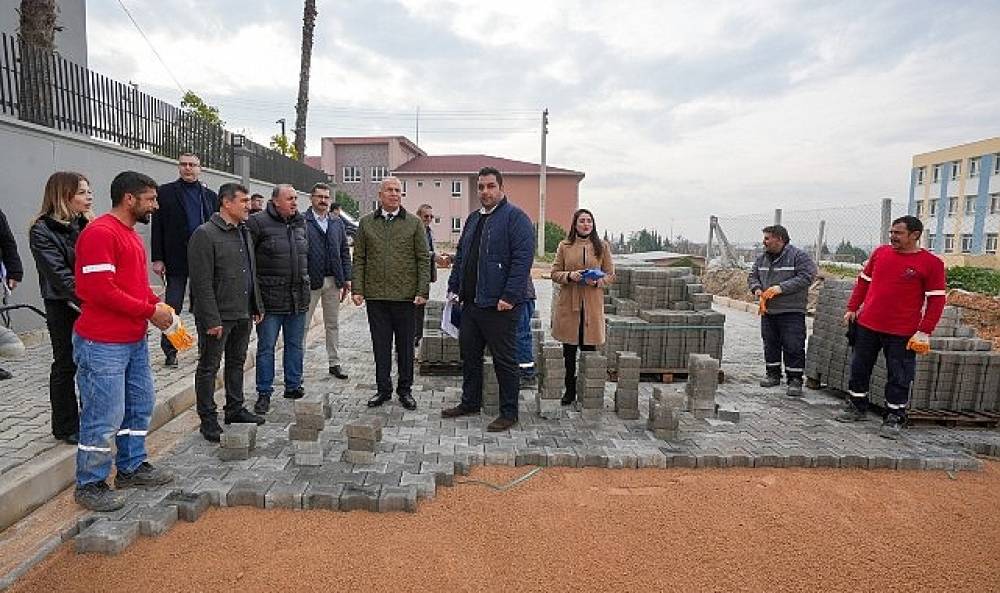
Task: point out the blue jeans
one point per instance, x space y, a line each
116 396
525 356
293 328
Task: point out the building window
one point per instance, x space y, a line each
949 243
456 189
374 205
956 169
920 175
420 182
437 183
994 203
936 175
991 243
970 205
920 210
996 164
437 220
930 240
352 174
932 206
403 184
966 243
379 173
456 224
952 206
974 167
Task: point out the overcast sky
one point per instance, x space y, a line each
674 110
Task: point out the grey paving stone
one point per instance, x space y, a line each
106 537
360 498
426 484
285 496
443 472
190 505
154 520
322 496
248 493
397 499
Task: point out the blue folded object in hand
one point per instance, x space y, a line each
588 276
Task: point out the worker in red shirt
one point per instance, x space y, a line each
896 303
109 347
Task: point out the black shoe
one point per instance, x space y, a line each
568 397
457 411
144 475
501 424
770 381
297 393
794 388
98 496
70 439
170 360
378 399
263 404
5 374
851 414
244 416
407 401
892 427
337 372
210 429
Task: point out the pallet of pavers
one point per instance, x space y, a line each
664 316
961 373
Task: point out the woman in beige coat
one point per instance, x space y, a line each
578 313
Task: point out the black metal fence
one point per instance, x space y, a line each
46 89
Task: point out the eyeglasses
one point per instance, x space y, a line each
427 216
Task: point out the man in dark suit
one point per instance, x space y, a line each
426 215
185 205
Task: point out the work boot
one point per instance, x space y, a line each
144 475
98 496
794 388
4 374
892 427
851 413
297 393
244 416
770 381
170 359
263 404
210 429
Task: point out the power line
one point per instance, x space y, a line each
180 87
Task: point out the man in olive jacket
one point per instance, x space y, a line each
226 304
281 249
391 272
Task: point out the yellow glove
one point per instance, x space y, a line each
919 343
770 293
178 335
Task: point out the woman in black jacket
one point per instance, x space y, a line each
65 211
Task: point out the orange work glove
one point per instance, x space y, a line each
919 343
178 335
770 293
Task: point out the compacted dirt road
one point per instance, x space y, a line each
589 530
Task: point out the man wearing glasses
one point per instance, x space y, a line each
185 205
426 214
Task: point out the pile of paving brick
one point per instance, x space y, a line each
961 372
550 368
663 315
439 349
697 399
311 413
363 437
591 375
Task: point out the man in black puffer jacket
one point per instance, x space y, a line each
281 250
14 273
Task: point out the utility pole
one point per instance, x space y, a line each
541 187
282 122
418 125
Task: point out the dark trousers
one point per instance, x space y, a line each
482 327
59 318
174 296
900 364
419 312
388 320
784 334
233 345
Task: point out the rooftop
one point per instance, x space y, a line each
470 164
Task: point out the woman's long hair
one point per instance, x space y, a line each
595 239
59 191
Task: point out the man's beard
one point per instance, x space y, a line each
142 217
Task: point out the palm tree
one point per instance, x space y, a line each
37 41
302 105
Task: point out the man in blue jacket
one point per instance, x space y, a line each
492 267
329 269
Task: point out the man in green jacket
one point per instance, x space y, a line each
392 273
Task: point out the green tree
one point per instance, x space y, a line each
553 235
302 104
192 103
347 203
846 251
283 145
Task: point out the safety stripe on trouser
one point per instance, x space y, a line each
527 365
95 449
895 406
135 433
772 364
794 370
855 394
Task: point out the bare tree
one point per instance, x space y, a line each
37 41
302 105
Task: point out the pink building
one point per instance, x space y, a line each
359 164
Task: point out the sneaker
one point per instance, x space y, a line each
263 404
770 381
244 416
170 360
144 475
794 388
297 393
892 427
851 414
210 429
98 496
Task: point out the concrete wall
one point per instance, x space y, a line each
71 42
30 153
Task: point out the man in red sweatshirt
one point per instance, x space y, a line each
109 347
901 294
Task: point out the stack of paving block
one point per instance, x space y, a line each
665 408
437 347
961 372
702 383
491 389
237 441
663 315
627 387
591 375
310 418
551 369
363 437
537 335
